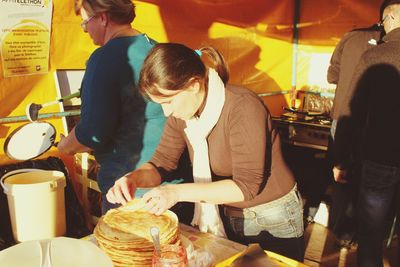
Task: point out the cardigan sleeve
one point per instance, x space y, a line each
171 146
248 135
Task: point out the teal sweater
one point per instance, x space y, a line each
121 127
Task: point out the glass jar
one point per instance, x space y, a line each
171 256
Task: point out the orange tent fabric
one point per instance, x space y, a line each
256 36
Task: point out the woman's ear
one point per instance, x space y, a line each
195 85
195 88
104 19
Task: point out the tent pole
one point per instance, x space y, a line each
41 116
296 20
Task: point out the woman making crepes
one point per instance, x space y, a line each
243 188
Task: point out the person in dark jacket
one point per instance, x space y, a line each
342 65
372 126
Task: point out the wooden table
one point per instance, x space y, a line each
220 248
223 251
226 251
278 259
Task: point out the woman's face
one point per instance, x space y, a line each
182 105
92 25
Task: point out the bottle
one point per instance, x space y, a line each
171 256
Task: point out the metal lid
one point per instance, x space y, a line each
30 140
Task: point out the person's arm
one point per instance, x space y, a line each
101 95
349 127
220 192
334 66
171 146
339 175
125 187
250 145
70 144
165 157
163 197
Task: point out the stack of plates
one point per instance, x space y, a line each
124 234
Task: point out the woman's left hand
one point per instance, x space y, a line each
339 175
161 198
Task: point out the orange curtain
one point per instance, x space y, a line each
254 35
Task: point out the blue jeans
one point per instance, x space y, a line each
378 187
277 226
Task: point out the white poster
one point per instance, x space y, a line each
25 27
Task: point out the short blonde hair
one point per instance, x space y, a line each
120 11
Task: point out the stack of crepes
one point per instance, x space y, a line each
124 234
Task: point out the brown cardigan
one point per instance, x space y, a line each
243 146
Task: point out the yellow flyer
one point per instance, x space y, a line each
25 27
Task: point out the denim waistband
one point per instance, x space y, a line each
240 213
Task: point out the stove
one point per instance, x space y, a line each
304 131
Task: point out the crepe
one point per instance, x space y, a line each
138 223
124 234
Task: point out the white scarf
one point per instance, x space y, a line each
206 215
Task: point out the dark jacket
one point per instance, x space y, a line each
343 62
373 121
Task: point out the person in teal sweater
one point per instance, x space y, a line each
117 124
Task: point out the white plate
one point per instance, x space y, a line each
65 252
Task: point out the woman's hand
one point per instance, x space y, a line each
339 175
124 188
161 198
61 144
122 191
70 144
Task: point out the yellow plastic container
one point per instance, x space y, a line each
36 202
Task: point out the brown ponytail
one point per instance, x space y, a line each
216 61
173 67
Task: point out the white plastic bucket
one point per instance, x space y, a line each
36 203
